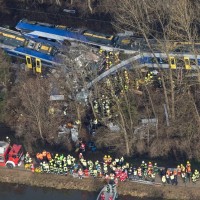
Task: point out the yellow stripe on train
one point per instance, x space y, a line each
98 36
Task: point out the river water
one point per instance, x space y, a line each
22 192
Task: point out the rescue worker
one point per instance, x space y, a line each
194 178
105 168
188 170
7 139
145 166
130 172
153 176
116 56
84 163
39 157
101 51
56 157
150 166
95 123
144 174
183 176
109 160
58 161
95 173
168 177
172 178
51 168
108 82
30 160
196 172
142 165
96 163
149 172
26 158
65 169
155 168
100 174
135 173
80 156
107 178
178 170
121 160
112 178
69 162
32 168
44 154
86 172
105 158
175 177
96 106
139 172
182 168
48 156
80 173
164 179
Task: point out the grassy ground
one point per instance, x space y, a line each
137 191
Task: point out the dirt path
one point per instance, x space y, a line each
90 184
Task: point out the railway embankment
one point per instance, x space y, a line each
136 190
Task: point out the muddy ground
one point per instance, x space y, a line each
125 188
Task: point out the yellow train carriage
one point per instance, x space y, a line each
98 37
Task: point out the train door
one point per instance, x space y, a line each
187 63
38 66
172 62
29 62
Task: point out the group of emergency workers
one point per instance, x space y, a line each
102 106
59 164
110 58
112 169
170 176
124 80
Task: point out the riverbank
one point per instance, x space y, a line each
89 184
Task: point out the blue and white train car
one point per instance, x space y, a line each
48 31
61 33
36 52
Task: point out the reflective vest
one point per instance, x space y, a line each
69 161
55 169
188 169
183 175
172 177
48 156
65 169
163 179
95 172
153 175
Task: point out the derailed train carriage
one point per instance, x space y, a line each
182 55
35 52
40 45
